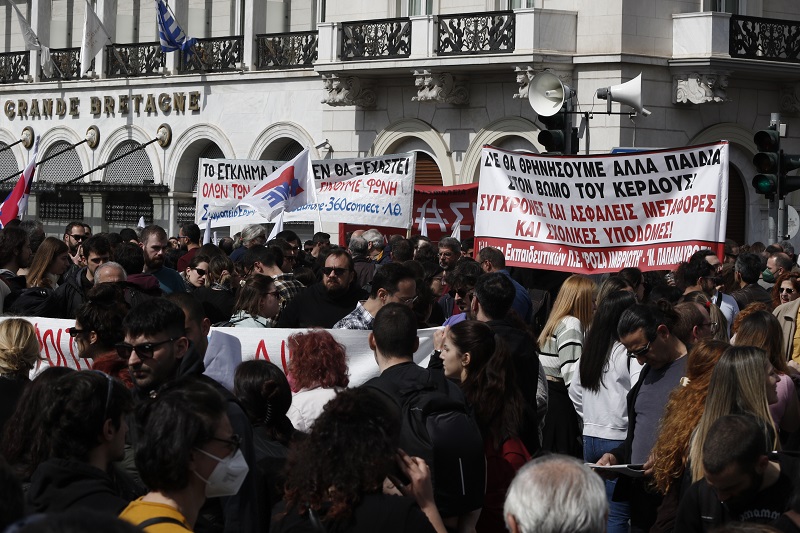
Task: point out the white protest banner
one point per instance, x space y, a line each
377 189
59 349
594 214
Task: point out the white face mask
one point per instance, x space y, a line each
227 477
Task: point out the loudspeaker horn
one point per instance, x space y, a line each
628 93
546 94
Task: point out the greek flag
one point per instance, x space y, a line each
170 33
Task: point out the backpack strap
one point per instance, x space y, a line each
161 520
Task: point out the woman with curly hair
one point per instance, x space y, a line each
473 355
262 389
317 371
599 392
684 409
335 479
19 353
786 289
560 348
762 330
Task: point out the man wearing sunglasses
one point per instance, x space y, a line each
74 234
392 283
158 352
325 303
646 332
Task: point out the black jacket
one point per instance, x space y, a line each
314 307
70 295
63 484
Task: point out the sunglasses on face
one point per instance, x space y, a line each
639 353
78 237
200 271
339 272
787 290
74 332
144 350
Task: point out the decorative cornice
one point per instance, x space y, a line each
440 87
348 91
700 87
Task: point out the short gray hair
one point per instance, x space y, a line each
358 245
252 231
107 265
375 237
557 493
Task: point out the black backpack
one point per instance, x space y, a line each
441 429
34 301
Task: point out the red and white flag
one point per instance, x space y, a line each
16 203
289 187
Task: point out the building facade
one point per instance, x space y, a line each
351 78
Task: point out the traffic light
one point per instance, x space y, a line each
788 183
553 138
767 161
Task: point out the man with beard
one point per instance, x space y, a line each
189 239
74 234
71 294
325 303
154 243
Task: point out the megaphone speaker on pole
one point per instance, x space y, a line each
546 94
628 93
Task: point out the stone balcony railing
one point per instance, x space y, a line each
726 36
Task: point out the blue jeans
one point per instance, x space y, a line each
618 512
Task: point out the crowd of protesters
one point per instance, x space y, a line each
630 401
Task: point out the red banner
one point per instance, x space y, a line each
439 206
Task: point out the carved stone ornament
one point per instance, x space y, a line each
790 99
347 91
524 77
440 87
699 88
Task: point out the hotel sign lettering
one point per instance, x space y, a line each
122 105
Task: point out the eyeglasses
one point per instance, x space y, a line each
408 301
445 254
144 350
78 237
200 271
235 442
787 290
639 353
339 272
74 332
109 391
712 326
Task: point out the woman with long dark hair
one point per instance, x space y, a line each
475 356
599 392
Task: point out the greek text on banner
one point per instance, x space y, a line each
593 214
378 189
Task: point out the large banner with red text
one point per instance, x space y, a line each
594 214
377 189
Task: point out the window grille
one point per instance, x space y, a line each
133 169
62 168
8 163
185 213
64 205
290 151
126 208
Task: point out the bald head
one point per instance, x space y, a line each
110 272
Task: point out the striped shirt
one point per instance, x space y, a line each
561 352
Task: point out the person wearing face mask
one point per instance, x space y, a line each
187 453
778 264
743 481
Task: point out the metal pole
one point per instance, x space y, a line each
48 158
114 160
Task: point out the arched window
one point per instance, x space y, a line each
133 169
211 151
64 167
8 163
